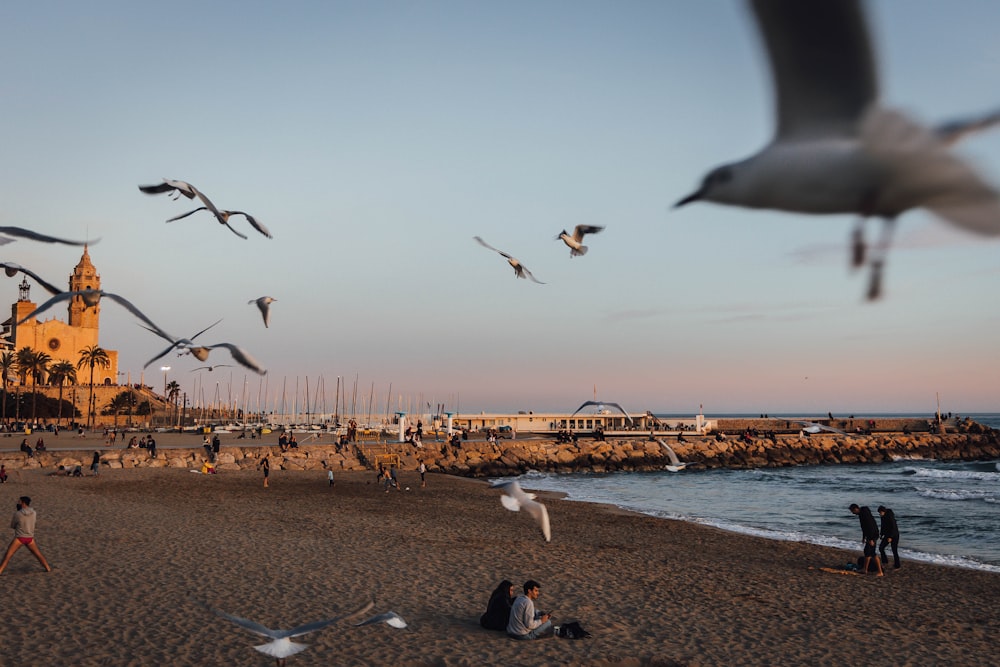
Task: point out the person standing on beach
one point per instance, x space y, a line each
329 476
890 536
95 464
265 463
422 469
869 535
23 524
525 622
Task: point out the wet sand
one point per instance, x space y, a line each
141 557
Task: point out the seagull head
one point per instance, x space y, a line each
719 185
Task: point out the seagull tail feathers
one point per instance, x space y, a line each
578 252
281 648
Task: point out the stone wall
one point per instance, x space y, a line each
510 457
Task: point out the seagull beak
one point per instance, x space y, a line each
694 196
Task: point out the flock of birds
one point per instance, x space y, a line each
92 297
574 241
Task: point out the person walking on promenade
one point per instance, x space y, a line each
890 536
23 524
869 535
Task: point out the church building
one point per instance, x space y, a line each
62 341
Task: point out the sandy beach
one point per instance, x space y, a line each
141 557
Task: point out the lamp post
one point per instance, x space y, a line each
166 418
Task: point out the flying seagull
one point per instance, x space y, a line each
264 303
520 270
174 342
211 368
223 217
836 149
676 465
179 188
12 269
601 404
90 298
516 500
281 645
575 242
22 233
389 618
812 428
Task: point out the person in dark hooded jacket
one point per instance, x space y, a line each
890 536
498 608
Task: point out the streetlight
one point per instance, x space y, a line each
165 369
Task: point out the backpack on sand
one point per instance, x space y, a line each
572 630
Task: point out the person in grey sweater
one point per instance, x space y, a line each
525 622
23 524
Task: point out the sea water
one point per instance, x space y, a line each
948 512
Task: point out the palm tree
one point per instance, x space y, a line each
173 393
36 364
60 373
8 365
123 401
92 355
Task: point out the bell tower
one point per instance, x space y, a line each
84 277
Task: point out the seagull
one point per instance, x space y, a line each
281 645
601 404
520 270
179 188
238 354
22 233
264 303
575 242
676 465
174 342
90 298
223 217
836 149
211 368
515 500
12 269
812 428
389 618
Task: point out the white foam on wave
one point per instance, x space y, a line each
954 474
958 494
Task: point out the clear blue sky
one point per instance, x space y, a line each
375 139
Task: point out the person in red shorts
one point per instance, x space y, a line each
23 524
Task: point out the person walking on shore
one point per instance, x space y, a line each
890 536
95 464
265 464
23 524
869 536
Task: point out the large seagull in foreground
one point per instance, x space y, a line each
836 149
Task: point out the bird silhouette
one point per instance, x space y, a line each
183 188
520 270
264 304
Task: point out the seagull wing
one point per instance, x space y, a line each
62 296
204 330
822 63
184 215
10 266
582 230
813 427
621 409
670 453
538 512
585 404
216 212
483 243
390 618
240 356
253 627
256 224
132 309
957 130
530 275
21 232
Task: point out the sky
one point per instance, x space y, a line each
375 139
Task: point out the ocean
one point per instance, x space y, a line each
948 512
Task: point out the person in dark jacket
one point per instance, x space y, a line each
890 536
498 608
869 535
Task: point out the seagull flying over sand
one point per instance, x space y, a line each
281 645
836 149
22 233
575 242
520 270
389 618
90 298
676 465
179 188
12 269
264 303
516 500
174 342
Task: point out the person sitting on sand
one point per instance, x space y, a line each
498 608
525 622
